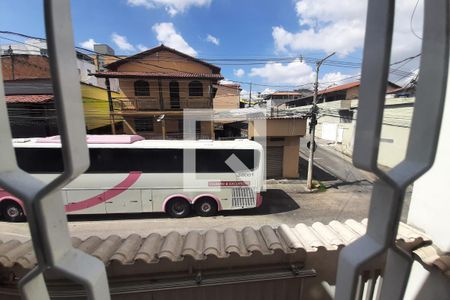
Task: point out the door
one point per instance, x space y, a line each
174 89
274 163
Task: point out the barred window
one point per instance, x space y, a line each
195 88
141 88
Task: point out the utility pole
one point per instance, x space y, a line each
313 122
250 96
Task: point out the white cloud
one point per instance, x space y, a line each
239 72
298 73
293 73
89 44
122 42
322 28
336 78
167 35
141 47
226 81
267 91
173 7
213 40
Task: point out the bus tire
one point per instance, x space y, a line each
205 207
12 211
178 208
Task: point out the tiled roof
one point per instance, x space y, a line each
200 246
112 74
431 256
340 87
151 51
29 98
347 86
288 93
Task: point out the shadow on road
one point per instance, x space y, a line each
274 201
337 185
319 173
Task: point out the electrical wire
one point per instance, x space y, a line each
411 21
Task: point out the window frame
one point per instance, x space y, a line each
141 88
196 88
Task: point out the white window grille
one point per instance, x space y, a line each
44 206
43 202
356 260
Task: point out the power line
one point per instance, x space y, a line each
335 63
411 21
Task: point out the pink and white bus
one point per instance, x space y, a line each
128 174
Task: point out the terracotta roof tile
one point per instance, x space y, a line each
149 248
113 74
340 87
192 245
140 55
107 248
200 246
29 98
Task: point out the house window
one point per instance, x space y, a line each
174 91
141 88
346 116
143 124
195 89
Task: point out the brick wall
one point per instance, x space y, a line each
25 67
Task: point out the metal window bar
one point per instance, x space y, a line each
388 191
43 202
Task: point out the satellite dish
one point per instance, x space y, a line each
159 119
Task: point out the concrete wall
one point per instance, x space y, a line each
291 151
291 130
227 97
429 211
394 134
280 127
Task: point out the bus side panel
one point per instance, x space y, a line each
89 197
146 199
128 201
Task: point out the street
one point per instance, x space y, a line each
345 196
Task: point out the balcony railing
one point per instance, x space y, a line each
151 104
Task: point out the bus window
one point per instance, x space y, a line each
40 160
117 160
213 160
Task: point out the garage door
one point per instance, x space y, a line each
274 162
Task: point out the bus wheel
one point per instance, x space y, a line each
12 211
206 207
178 208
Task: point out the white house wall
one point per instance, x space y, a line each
429 210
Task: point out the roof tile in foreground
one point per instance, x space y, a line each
199 245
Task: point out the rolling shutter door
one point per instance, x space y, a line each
274 162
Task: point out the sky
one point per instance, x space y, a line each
273 44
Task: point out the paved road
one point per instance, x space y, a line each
332 165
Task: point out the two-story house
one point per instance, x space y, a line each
156 86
